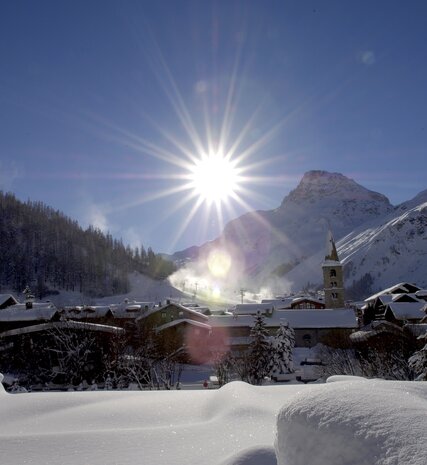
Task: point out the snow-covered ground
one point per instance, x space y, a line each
350 421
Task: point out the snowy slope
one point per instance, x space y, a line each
349 422
391 249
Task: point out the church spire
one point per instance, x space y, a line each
331 250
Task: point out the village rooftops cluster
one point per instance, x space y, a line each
397 309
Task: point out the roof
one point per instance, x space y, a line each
97 311
21 313
301 318
252 309
308 299
183 320
407 310
320 318
405 288
409 295
162 309
283 302
5 297
62 325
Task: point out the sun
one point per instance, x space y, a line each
214 178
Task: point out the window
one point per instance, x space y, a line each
163 316
333 273
334 295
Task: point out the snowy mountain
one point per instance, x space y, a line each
387 250
265 246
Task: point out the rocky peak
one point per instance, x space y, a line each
318 185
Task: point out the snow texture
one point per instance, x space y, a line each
354 421
350 421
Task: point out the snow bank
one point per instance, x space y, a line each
146 428
353 421
261 455
349 421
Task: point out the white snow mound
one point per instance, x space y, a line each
354 422
261 455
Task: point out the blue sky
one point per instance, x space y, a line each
97 98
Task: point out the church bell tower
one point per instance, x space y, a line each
333 279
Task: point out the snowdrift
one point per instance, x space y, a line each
346 422
354 422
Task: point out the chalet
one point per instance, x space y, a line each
400 304
178 327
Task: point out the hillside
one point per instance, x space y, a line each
48 251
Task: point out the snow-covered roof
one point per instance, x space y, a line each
181 307
5 297
252 309
95 311
320 318
301 318
307 298
403 287
407 310
21 313
421 294
62 325
183 320
411 296
283 302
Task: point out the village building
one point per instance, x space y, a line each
401 304
178 329
313 320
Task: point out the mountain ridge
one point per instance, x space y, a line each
267 245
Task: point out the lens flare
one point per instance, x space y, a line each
219 263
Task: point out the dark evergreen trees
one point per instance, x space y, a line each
45 249
260 351
283 345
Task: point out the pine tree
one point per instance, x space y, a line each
283 345
259 351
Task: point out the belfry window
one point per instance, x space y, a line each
332 273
